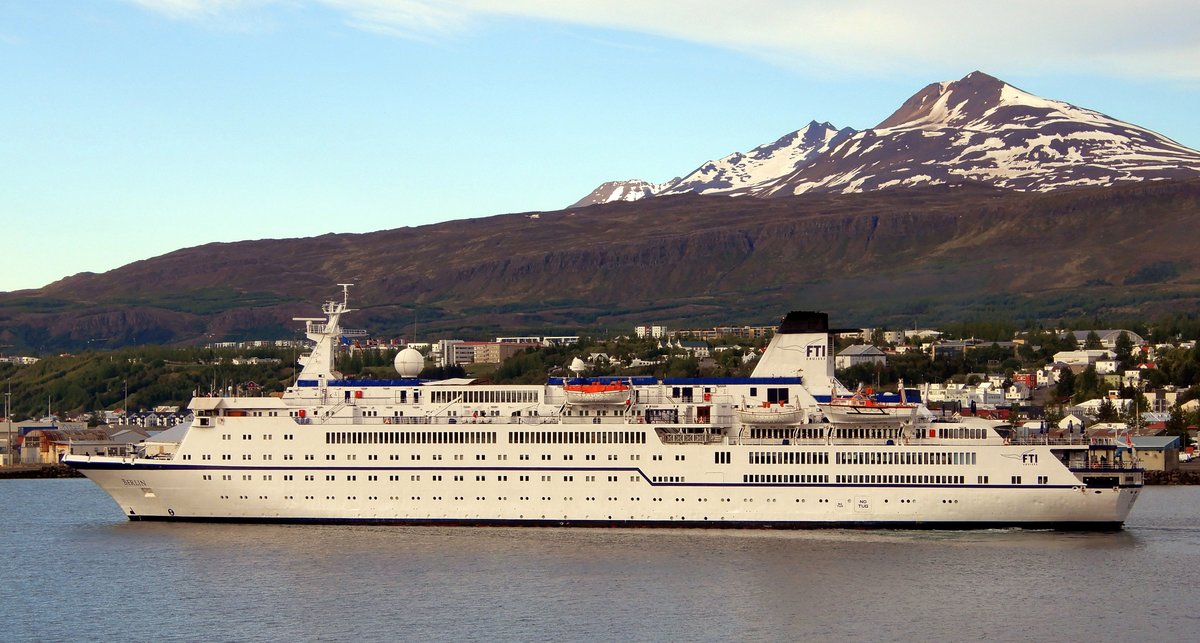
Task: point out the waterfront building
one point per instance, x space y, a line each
860 354
1108 338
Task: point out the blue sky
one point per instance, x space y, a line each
131 128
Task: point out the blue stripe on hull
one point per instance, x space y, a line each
654 524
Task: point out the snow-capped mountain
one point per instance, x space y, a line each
737 173
984 130
977 129
742 173
609 191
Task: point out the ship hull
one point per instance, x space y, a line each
651 524
155 491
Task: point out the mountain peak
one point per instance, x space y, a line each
949 103
609 191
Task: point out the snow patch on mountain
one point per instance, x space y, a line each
739 173
612 191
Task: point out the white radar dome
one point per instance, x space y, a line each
409 362
578 366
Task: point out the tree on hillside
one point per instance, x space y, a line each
1133 412
1177 422
1092 342
1087 384
1180 366
679 366
1069 342
526 367
1124 351
442 372
1052 415
1065 388
1107 411
730 363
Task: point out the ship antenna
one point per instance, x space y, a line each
345 294
295 360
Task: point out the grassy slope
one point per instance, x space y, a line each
900 257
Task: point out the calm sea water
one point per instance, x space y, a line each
74 568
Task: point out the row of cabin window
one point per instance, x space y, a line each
786 478
789 457
436 456
410 437
483 498
864 433
484 397
799 433
906 457
898 479
576 437
819 433
439 478
962 433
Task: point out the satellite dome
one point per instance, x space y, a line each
409 362
578 366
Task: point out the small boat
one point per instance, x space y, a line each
597 392
768 414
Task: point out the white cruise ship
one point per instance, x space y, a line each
708 452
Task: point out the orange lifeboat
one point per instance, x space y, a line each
597 392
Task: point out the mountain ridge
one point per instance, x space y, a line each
975 129
901 256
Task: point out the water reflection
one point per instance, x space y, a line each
167 581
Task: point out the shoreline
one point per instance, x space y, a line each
36 471
1176 477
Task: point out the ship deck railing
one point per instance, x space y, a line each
1102 467
717 422
1069 441
838 442
443 420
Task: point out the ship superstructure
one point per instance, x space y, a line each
759 451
